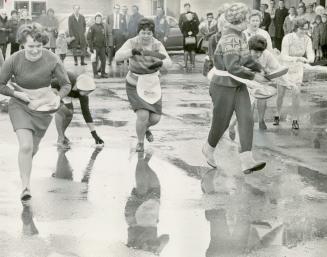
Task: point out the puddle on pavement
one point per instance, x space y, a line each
195 105
230 217
203 118
102 122
313 178
319 118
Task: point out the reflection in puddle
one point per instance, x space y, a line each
319 118
102 121
313 178
29 228
195 105
142 209
63 168
243 226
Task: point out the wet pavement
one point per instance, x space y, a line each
111 201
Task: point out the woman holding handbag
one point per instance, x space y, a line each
146 56
189 26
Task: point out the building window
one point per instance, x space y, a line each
37 8
22 5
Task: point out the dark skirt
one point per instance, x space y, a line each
23 118
138 103
190 47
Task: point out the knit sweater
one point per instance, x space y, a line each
33 75
139 64
232 54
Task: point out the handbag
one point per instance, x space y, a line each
190 41
205 44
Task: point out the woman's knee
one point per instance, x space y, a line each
26 147
143 115
154 118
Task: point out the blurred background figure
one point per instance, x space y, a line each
266 19
118 24
51 25
280 16
3 31
13 24
207 28
189 26
161 26
134 21
77 29
98 39
289 21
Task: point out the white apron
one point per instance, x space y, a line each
45 98
148 87
256 89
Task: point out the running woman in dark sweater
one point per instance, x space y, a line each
82 86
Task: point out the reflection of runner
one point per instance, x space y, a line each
82 86
142 209
63 168
29 228
32 69
146 56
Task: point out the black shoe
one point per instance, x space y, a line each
97 76
83 63
276 121
105 75
295 125
76 63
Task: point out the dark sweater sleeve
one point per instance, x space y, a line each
63 80
232 64
6 73
84 101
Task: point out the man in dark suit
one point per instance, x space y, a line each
266 19
118 24
134 21
280 15
77 29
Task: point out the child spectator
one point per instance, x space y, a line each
317 32
62 45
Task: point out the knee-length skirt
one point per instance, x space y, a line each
23 118
138 103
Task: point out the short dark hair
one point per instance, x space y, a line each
13 12
33 30
135 7
187 4
300 23
258 43
209 14
266 5
146 24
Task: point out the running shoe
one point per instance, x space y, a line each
149 136
139 147
295 125
276 121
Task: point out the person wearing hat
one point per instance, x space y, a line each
233 64
99 40
146 56
82 86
